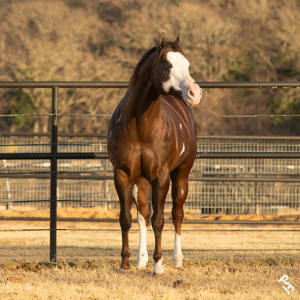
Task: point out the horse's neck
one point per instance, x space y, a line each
142 100
143 104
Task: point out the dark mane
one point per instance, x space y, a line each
133 77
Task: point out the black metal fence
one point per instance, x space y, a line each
53 156
217 186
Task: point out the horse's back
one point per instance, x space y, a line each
115 134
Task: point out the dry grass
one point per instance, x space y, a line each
96 280
88 260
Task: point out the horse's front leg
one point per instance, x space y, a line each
160 188
140 193
179 195
124 189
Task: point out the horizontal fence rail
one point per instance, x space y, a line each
85 155
110 177
199 137
122 84
53 155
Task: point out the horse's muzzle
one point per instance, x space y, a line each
193 96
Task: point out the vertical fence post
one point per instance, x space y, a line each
9 204
53 175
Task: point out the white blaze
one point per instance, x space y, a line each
181 80
179 72
142 257
177 253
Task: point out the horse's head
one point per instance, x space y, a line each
171 73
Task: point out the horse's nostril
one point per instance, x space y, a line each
191 94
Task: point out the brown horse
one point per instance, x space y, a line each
152 138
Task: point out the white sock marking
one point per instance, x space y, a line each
183 149
135 195
177 253
158 268
142 257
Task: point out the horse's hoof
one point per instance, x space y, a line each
142 260
158 274
123 271
141 267
158 268
141 264
177 259
177 265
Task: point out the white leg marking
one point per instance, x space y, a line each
142 257
177 253
180 126
135 194
158 268
183 149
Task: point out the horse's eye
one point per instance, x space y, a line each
168 65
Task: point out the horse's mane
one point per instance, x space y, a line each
133 77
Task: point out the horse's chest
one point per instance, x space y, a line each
168 151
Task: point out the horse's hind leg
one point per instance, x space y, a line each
160 188
179 195
140 193
124 190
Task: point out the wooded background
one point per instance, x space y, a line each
95 40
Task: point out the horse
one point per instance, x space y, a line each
151 139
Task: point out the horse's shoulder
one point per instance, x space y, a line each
177 110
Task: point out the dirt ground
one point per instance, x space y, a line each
217 265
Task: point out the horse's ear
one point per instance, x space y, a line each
162 41
177 40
